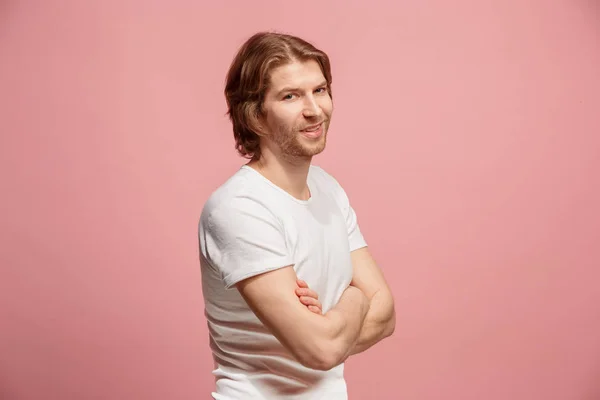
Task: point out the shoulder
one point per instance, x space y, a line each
327 181
236 200
323 177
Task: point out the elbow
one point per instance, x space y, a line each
390 327
329 358
322 356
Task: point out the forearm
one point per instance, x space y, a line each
379 322
346 321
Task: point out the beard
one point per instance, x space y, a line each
294 146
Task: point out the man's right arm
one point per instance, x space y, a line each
317 341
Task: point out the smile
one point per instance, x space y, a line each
313 131
312 128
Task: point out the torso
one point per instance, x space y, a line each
250 363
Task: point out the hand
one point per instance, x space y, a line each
308 297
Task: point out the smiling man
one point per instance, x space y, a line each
290 288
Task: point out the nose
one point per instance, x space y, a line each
311 108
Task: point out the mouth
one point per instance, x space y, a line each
313 131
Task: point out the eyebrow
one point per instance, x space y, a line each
291 89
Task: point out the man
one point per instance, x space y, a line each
289 285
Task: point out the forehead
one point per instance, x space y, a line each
297 74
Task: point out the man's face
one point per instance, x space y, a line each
297 109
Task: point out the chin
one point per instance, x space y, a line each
304 148
314 152
315 148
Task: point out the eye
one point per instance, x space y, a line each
289 96
321 90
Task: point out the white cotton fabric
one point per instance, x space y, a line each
250 226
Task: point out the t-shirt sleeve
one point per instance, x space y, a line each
355 236
243 239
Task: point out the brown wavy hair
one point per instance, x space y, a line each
248 79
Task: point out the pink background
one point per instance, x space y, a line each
466 134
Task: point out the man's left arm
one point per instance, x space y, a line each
380 321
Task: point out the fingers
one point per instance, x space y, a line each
314 309
310 301
313 304
309 297
302 283
307 292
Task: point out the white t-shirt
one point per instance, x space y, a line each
250 226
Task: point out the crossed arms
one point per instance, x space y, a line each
363 316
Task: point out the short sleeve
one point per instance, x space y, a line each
243 239
355 237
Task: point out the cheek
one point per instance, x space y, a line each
326 105
287 115
276 122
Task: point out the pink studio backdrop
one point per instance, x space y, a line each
466 134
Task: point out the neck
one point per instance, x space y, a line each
289 174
